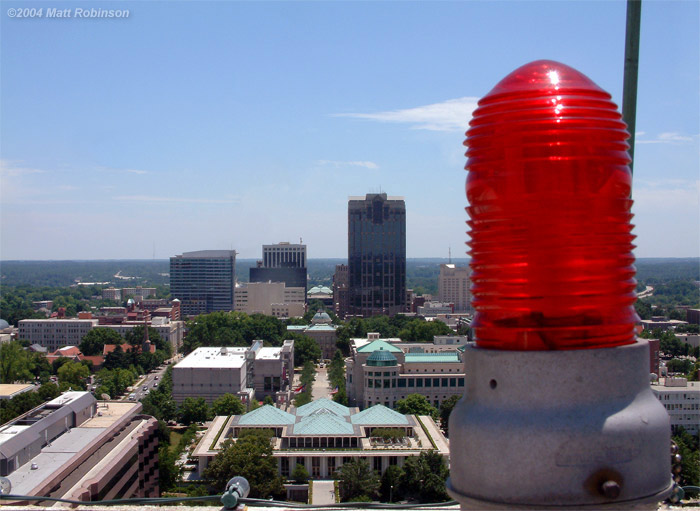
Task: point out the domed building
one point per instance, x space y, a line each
322 330
383 371
323 294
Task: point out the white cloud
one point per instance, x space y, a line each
10 168
155 198
366 164
665 138
450 115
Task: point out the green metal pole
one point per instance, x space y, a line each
629 85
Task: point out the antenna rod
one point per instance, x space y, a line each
629 85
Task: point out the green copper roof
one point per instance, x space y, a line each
432 357
379 415
378 345
266 415
323 422
297 327
324 402
324 328
381 358
320 289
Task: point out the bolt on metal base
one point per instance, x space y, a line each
577 429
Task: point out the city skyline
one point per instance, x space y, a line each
231 125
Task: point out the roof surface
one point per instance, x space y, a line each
379 415
323 422
320 290
378 345
265 416
324 402
214 358
431 357
381 357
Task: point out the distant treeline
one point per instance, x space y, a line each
421 273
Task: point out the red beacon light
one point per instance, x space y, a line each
549 205
557 401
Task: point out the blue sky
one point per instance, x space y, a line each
217 125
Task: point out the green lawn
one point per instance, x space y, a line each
174 439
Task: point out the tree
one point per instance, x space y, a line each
677 365
168 472
425 476
116 359
94 341
390 486
357 480
446 408
15 363
305 350
690 457
135 338
251 457
300 475
416 404
228 404
73 374
419 330
48 391
269 401
303 399
193 410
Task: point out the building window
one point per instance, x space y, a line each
460 382
402 382
419 382
428 382
453 382
436 382
377 464
284 467
315 467
444 382
411 382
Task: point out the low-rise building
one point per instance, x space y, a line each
138 293
322 330
681 398
76 448
112 293
386 370
661 323
10 390
691 339
172 332
271 299
249 373
55 333
323 435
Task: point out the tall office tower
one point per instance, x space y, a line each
283 262
376 254
340 289
203 281
453 286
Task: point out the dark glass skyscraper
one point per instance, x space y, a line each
376 255
203 281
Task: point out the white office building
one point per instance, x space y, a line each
681 398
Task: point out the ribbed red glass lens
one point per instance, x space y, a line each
549 206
